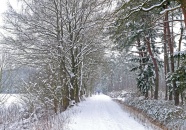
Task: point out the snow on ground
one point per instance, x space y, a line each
101 113
9 99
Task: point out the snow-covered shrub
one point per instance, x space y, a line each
30 116
121 94
9 115
55 122
162 111
114 94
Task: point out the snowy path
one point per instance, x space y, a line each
101 113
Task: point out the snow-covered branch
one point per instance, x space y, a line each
170 9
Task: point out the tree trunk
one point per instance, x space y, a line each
77 72
65 91
182 99
55 105
166 61
141 55
179 49
77 93
170 43
179 46
183 6
146 94
61 58
155 68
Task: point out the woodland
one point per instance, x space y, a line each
57 52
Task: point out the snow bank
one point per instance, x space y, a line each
161 111
6 100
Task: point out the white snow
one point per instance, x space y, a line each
180 53
9 99
154 6
170 9
101 113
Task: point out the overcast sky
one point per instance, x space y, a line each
3 7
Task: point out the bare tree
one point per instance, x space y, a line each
55 37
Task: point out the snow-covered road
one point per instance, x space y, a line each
101 113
